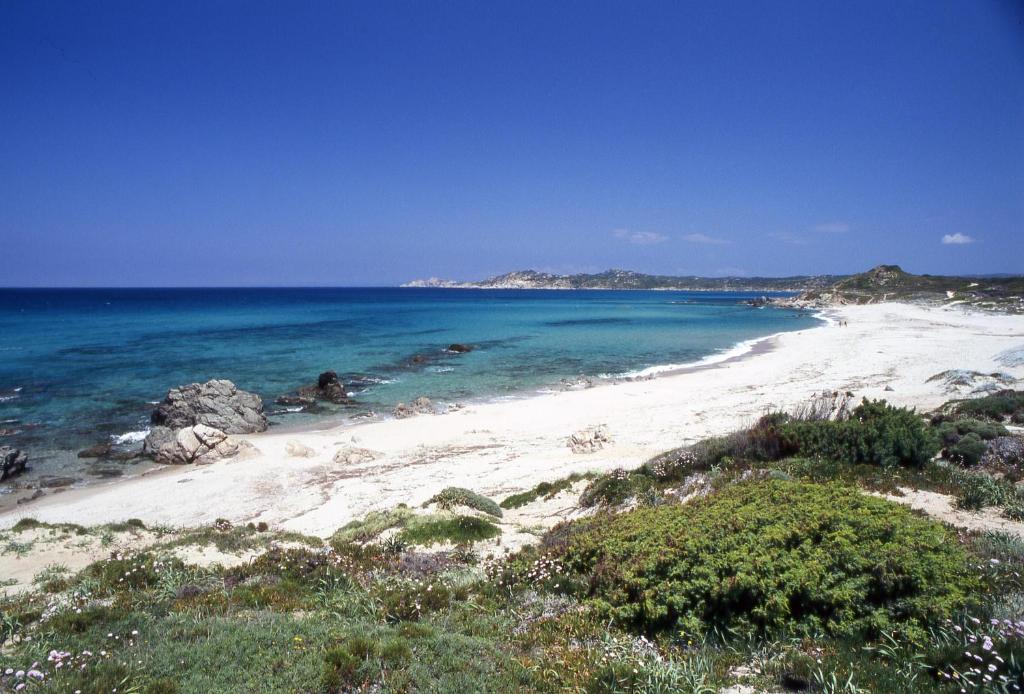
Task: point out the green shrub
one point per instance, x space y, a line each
875 434
371 526
998 406
450 497
616 488
950 431
428 530
967 450
770 557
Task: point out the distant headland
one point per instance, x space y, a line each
627 279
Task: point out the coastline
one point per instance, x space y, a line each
507 445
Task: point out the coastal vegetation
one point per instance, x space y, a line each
777 558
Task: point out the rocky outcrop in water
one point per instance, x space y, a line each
460 348
420 405
12 462
199 444
218 404
328 387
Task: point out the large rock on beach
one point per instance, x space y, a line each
420 405
218 404
12 462
199 444
590 439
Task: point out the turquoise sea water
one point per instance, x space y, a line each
82 366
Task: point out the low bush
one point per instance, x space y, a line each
450 497
544 490
617 487
998 406
964 441
876 434
770 557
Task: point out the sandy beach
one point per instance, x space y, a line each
292 480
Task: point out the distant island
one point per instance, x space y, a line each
881 283
627 279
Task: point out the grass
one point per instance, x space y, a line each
544 490
457 530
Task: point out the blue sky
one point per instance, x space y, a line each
343 143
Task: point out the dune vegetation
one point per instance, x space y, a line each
778 558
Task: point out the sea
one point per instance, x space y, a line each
80 367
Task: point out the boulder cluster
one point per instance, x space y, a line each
420 405
590 439
193 423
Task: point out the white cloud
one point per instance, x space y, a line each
833 228
640 238
957 239
704 238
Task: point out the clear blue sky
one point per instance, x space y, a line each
343 143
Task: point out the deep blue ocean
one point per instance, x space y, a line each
78 367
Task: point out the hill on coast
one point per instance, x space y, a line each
627 279
892 283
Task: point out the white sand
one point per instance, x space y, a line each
504 447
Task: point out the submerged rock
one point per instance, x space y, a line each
420 405
200 444
460 348
218 404
590 439
12 462
100 450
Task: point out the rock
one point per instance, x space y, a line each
100 450
35 495
56 482
355 455
199 444
1004 451
295 401
327 387
297 449
218 404
590 439
12 462
889 389
420 405
460 348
